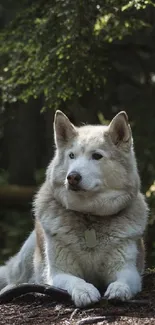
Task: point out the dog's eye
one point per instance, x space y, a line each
71 155
96 156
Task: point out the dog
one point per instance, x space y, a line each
90 217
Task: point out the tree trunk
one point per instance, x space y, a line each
21 134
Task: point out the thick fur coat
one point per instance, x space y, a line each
90 216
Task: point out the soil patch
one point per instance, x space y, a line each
35 309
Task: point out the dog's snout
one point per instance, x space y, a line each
74 178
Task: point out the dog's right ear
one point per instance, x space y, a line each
64 130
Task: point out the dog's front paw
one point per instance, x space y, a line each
118 290
85 294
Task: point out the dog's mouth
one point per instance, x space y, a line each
75 188
80 189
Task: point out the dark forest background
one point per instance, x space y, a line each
90 59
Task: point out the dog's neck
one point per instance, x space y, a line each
90 216
105 204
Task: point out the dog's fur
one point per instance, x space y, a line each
107 204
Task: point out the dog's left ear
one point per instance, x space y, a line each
119 129
64 130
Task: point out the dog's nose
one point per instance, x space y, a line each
74 178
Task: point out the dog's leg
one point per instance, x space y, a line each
82 293
63 271
127 284
125 269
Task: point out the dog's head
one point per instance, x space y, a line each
94 166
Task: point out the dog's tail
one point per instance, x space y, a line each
3 277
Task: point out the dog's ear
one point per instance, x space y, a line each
64 130
119 129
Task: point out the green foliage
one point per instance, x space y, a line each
59 48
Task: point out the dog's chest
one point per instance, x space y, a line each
88 234
90 242
88 246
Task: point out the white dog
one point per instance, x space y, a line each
90 216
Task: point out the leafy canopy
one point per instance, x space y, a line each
59 48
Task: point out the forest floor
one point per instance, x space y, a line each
34 309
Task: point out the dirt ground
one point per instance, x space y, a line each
35 309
